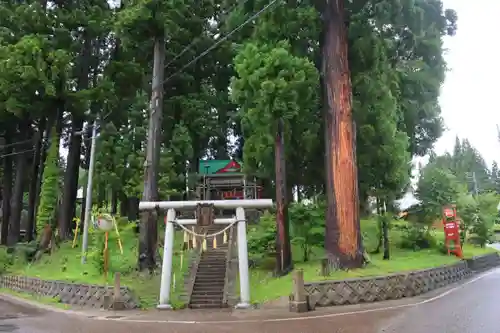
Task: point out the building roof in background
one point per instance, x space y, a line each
212 167
408 200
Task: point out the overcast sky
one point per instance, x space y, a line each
470 96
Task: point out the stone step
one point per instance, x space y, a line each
213 260
207 268
206 280
212 281
208 289
212 271
203 281
214 254
207 293
207 284
207 306
214 257
210 278
206 299
211 274
204 266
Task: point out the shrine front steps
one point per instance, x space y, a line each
208 289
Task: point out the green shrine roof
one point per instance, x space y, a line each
211 167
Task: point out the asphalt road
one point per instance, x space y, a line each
470 307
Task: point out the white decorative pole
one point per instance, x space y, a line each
243 260
166 269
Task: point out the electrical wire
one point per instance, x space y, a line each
27 141
31 150
197 39
13 144
201 55
219 41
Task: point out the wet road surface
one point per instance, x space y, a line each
470 307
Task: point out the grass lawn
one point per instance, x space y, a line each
65 265
264 287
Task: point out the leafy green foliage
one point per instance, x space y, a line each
308 226
417 237
6 260
307 231
436 188
272 84
50 187
262 237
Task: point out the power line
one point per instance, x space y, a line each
201 55
197 39
14 144
232 32
30 140
84 139
17 153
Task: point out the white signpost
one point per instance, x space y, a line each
239 206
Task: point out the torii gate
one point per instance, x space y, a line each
238 205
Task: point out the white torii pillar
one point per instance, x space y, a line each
168 250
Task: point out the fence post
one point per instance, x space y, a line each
298 300
118 303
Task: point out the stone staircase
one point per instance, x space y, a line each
208 289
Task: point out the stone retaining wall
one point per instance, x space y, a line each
85 295
482 263
394 286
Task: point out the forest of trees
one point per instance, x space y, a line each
232 70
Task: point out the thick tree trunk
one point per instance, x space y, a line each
343 237
6 187
114 202
148 227
18 190
283 250
34 181
123 204
43 158
73 164
133 208
70 181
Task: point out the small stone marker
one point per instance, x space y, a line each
118 303
298 300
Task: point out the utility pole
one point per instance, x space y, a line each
88 197
475 185
474 179
148 226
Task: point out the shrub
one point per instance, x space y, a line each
262 237
481 228
417 238
6 260
307 227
